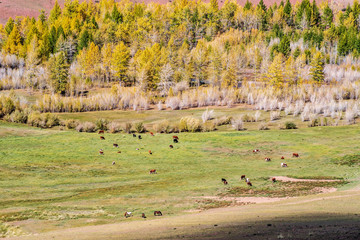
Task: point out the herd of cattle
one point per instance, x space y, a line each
152 171
267 159
176 140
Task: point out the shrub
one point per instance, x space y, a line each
80 127
263 126
114 127
274 115
290 125
18 116
162 127
248 118
51 120
101 124
127 127
207 115
223 121
208 126
34 119
89 127
189 124
139 127
71 123
238 124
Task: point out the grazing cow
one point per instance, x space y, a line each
273 179
128 214
256 150
171 146
143 215
267 159
247 180
249 184
224 181
153 171
119 152
102 138
151 133
101 152
139 137
175 137
134 135
242 177
176 140
113 163
282 158
283 164
101 132
116 145
157 213
295 155
150 152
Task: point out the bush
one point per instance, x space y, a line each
274 115
80 127
238 124
207 115
208 126
101 124
247 118
223 121
290 125
263 126
127 127
18 116
89 127
162 127
114 127
46 120
71 123
189 124
139 127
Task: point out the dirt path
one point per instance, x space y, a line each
245 199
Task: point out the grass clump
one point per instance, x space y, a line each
139 127
348 160
189 124
101 124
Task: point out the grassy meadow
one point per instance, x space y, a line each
57 178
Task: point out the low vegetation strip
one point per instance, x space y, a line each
348 160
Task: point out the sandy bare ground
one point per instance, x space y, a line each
322 216
249 200
288 179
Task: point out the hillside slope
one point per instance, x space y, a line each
13 8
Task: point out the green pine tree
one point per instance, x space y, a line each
317 68
58 72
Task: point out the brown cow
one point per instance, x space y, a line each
153 171
295 155
143 215
116 145
282 158
151 133
113 163
267 159
175 137
249 184
101 152
171 146
101 132
102 138
119 152
150 152
224 181
243 177
256 150
273 179
157 213
128 214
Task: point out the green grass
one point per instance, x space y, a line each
59 175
